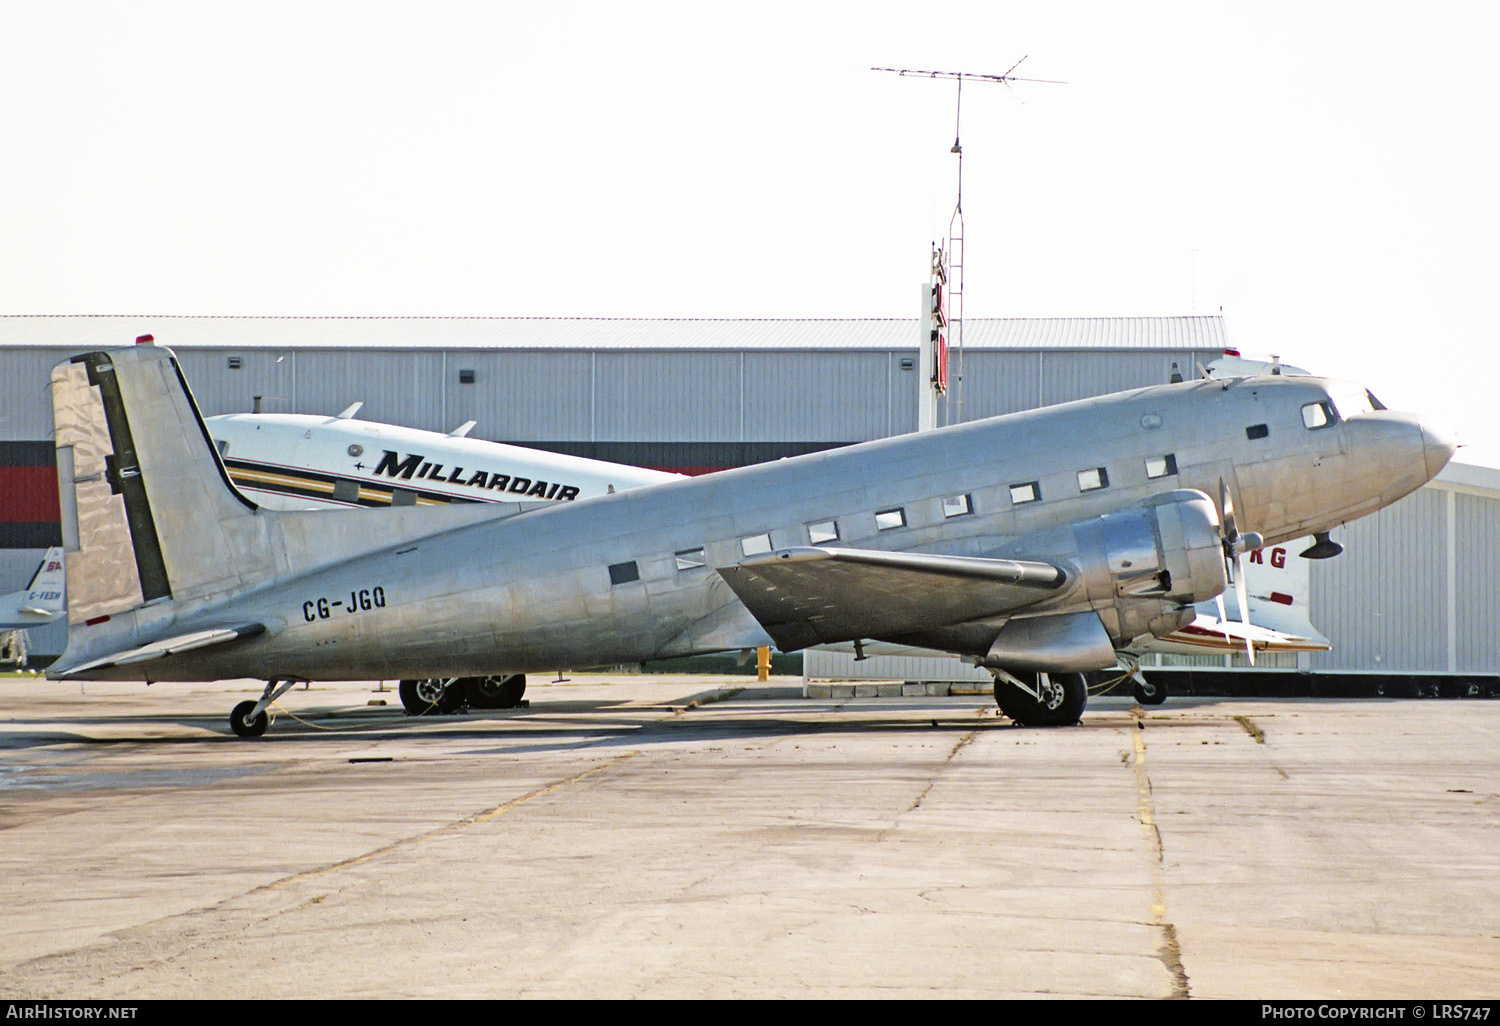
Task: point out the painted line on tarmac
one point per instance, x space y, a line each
1171 954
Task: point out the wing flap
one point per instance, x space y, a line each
817 596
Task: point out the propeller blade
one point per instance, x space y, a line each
1242 596
1223 617
1226 503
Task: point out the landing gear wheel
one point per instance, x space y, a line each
502 691
432 694
1058 702
246 726
1149 692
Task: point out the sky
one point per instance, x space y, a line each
1323 174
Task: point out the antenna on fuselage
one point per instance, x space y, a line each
955 251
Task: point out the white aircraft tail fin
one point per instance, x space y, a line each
41 602
45 595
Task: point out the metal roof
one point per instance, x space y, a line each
107 330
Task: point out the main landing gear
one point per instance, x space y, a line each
1035 699
450 694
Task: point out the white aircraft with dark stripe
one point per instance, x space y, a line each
298 461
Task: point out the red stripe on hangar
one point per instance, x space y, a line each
28 494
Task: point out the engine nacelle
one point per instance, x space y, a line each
1143 568
1137 572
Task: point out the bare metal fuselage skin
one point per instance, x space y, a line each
535 591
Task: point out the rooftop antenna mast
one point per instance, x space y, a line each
956 222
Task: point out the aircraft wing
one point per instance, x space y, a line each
168 646
816 596
1208 633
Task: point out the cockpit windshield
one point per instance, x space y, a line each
1352 401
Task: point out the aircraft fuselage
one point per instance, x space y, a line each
630 577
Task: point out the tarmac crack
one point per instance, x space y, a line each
958 746
446 828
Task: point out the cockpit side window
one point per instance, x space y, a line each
1318 414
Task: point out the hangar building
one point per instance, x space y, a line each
1414 592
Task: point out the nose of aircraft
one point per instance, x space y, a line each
1438 446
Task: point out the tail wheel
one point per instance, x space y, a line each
502 691
1044 700
432 694
1149 692
246 725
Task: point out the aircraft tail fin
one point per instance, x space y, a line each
41 601
149 514
45 594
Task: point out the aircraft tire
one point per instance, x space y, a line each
1064 698
501 691
429 695
243 725
1150 693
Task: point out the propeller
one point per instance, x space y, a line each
1235 547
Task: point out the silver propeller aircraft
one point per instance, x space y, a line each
1035 544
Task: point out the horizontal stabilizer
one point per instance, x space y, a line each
816 596
165 647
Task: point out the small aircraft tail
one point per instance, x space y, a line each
41 601
45 594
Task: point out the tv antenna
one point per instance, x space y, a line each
956 222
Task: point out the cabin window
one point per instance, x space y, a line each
403 497
957 506
1030 491
1093 479
690 559
755 544
1255 431
346 491
1316 415
623 573
822 532
1161 466
889 519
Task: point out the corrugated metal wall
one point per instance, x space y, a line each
1383 602
1476 585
